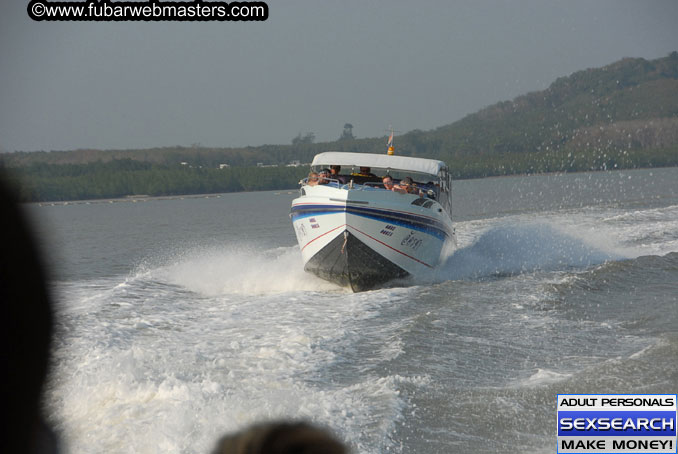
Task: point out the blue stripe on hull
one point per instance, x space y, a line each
411 221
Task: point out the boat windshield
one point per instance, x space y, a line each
435 186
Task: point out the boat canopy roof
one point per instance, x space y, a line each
382 161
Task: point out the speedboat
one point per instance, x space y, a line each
356 233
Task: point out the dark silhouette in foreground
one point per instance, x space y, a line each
25 334
282 437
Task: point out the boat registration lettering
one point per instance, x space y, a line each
314 223
388 230
412 241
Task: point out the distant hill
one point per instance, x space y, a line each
623 115
628 106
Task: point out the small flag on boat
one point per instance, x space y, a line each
390 143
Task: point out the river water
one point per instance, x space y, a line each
182 319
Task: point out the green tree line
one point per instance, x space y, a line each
124 177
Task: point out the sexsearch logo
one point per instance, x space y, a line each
615 423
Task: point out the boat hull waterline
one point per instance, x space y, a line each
356 245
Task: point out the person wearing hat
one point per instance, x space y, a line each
409 187
324 176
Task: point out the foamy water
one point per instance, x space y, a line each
242 270
199 338
170 351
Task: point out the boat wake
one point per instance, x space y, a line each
498 252
516 249
232 335
567 242
239 270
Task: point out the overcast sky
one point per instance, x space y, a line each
311 67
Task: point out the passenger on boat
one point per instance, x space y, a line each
409 187
364 172
334 170
389 186
324 176
312 179
365 176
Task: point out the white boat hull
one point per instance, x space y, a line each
364 238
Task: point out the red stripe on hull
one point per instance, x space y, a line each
390 247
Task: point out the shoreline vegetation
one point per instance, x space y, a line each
140 198
620 116
103 182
